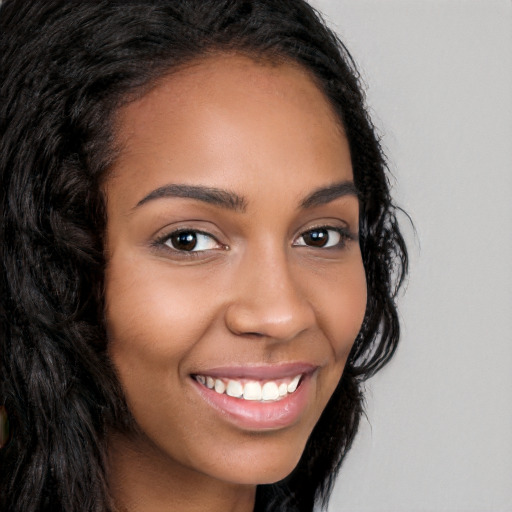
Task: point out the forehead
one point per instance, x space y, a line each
231 79
229 120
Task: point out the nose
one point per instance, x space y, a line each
267 300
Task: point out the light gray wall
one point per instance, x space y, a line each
439 435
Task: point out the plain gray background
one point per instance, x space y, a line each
439 430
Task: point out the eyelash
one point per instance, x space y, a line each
163 241
344 234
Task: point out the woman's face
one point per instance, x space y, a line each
233 262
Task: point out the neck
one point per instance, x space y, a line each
143 479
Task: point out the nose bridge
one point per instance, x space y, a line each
267 300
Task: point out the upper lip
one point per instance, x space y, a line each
259 372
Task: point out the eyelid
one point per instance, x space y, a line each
161 241
343 231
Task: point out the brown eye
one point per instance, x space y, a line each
183 241
190 241
321 238
316 238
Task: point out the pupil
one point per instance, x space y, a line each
316 238
185 241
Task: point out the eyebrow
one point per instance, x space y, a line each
327 194
218 197
232 201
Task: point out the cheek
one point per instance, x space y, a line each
340 307
152 318
153 330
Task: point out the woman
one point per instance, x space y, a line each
200 255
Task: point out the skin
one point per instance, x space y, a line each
257 295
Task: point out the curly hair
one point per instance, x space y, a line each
66 68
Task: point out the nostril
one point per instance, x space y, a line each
275 313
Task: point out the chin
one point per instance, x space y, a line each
267 463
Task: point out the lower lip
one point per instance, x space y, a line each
255 415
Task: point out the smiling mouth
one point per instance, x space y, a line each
252 390
258 398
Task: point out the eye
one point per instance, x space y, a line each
190 241
323 237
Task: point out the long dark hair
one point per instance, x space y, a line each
66 67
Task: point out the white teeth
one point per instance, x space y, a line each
220 387
235 389
293 384
252 391
270 391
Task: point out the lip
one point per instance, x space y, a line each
268 372
260 416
